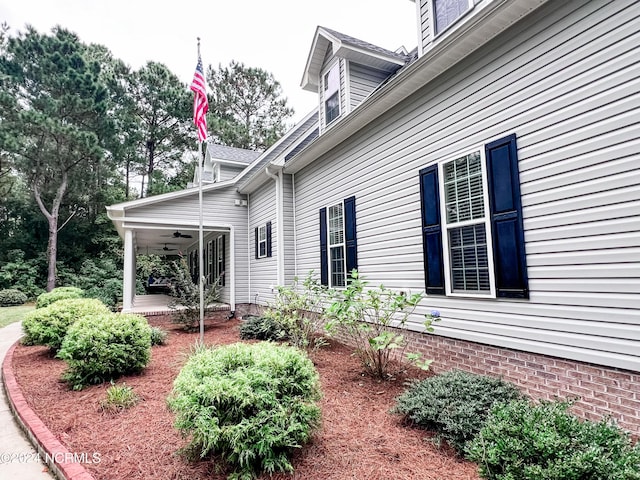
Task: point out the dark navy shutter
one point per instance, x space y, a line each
350 234
269 252
256 242
431 231
506 218
324 258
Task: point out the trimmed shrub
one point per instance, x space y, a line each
59 293
261 328
531 441
48 325
158 336
11 297
105 347
249 404
454 404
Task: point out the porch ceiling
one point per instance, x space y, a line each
166 240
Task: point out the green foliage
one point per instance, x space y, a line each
250 404
59 293
532 441
102 279
21 274
246 107
119 398
105 346
261 328
11 297
158 336
372 319
454 404
49 325
298 312
187 296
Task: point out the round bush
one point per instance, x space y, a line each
454 404
105 347
261 328
531 441
11 297
59 293
248 404
48 325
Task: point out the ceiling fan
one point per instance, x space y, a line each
167 249
178 234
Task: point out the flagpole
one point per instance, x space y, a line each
200 234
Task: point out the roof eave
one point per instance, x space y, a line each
492 20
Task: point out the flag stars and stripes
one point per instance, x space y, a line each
200 102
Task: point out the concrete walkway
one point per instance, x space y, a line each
18 458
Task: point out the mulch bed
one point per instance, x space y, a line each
359 438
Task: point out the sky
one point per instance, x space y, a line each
274 35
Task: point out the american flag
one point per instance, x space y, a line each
200 103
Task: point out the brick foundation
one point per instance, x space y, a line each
602 391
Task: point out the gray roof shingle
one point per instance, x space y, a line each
240 155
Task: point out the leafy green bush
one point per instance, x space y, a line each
371 318
59 293
250 404
104 347
187 296
48 325
21 274
11 297
454 404
531 441
298 312
119 397
261 328
158 336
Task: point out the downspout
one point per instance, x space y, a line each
249 247
295 229
279 260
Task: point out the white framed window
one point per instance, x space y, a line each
466 225
336 240
262 241
220 259
446 12
331 81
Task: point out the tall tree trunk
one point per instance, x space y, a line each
52 218
151 149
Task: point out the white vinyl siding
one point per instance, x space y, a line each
219 208
362 81
264 273
289 226
228 172
566 81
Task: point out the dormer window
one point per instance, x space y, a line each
331 82
446 12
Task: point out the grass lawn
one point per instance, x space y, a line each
13 314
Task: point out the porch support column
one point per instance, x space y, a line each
232 270
129 282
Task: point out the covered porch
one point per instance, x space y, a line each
158 304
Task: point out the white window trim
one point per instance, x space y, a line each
343 244
445 226
325 97
451 26
261 229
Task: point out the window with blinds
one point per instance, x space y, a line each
337 268
466 224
